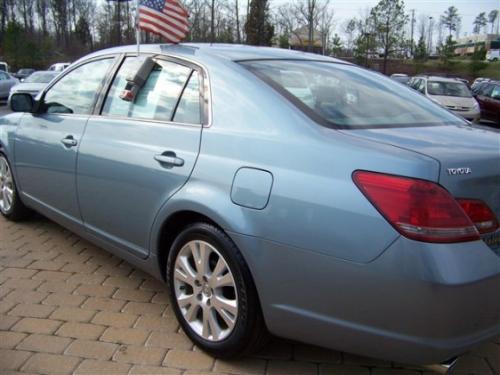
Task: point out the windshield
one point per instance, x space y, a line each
448 89
346 96
40 77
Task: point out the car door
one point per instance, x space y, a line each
47 141
4 85
495 104
484 100
135 155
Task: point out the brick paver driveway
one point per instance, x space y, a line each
67 306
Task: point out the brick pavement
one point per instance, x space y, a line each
67 306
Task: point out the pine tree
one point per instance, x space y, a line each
258 27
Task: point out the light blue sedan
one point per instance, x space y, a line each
273 191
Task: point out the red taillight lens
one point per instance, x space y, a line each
418 209
480 214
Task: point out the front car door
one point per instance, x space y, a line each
135 155
47 141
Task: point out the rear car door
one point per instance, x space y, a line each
47 141
135 155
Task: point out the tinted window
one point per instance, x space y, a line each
188 111
448 89
77 90
156 99
485 89
347 96
495 94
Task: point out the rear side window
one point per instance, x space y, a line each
349 97
189 109
495 94
160 95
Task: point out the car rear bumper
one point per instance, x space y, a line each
417 303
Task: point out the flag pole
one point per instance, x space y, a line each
137 30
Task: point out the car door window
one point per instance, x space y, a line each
485 90
189 108
157 99
495 94
76 92
3 76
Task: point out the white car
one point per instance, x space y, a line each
4 67
450 93
59 67
493 55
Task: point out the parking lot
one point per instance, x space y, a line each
67 306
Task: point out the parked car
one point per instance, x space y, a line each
34 83
450 93
365 220
59 67
477 83
23 73
488 97
401 78
4 67
493 55
6 82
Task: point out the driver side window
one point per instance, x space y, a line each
76 92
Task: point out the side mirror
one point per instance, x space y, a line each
21 102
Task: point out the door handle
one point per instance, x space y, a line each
69 141
169 158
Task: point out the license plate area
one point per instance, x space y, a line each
493 241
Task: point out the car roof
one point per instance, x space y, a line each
440 79
203 51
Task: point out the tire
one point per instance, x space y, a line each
224 330
11 206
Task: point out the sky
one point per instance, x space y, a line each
468 9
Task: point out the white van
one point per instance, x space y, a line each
4 66
59 67
493 55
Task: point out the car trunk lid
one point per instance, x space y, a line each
469 158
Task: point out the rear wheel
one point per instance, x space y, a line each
213 294
10 205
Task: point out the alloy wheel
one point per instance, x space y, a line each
205 290
6 186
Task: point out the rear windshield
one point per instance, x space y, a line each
346 96
448 89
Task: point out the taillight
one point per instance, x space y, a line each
483 218
418 209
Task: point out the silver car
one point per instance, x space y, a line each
272 191
7 81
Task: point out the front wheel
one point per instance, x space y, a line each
212 292
10 205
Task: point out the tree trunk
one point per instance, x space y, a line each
212 22
238 32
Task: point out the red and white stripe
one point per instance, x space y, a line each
171 24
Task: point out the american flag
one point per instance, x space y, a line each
167 18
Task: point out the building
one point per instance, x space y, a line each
466 45
299 40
